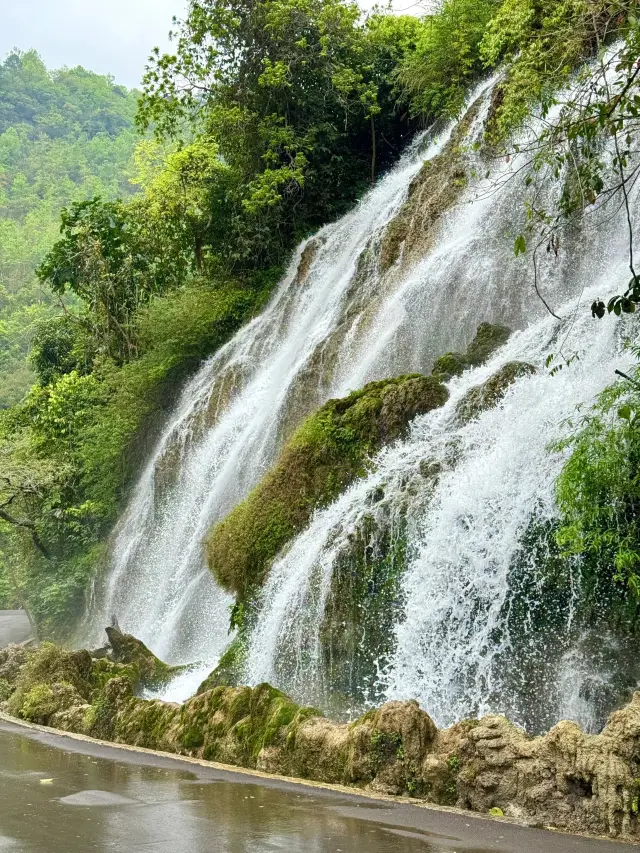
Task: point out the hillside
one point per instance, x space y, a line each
65 135
343 402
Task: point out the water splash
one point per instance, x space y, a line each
495 473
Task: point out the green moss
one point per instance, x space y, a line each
364 605
98 720
128 650
38 703
385 747
103 670
328 451
489 394
229 668
51 665
450 364
192 738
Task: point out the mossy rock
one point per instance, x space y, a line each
42 701
489 394
49 666
329 450
450 364
128 650
432 192
229 668
488 339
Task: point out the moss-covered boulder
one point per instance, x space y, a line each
487 340
229 669
450 364
489 394
329 450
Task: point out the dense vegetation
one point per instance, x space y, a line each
63 135
599 489
268 119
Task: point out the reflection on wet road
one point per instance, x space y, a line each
54 798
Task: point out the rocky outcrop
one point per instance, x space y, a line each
565 779
151 671
328 451
490 393
435 190
487 340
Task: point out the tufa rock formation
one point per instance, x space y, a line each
564 779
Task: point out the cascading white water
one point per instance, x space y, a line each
344 324
228 425
466 532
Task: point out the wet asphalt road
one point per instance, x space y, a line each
14 628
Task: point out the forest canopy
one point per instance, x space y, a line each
64 135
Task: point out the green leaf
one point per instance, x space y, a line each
520 245
624 412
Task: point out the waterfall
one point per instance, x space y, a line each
338 320
495 473
232 418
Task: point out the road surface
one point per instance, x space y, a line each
14 628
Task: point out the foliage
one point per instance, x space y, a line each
598 491
73 445
435 77
64 135
292 112
575 61
296 95
112 261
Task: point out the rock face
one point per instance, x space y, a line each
434 191
564 779
487 340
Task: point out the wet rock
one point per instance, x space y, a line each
433 192
450 364
487 340
151 671
229 669
404 401
327 452
566 779
489 394
306 259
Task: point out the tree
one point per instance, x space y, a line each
289 92
112 259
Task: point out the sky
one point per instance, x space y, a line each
106 36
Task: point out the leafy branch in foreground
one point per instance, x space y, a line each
586 134
598 491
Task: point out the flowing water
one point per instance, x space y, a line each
327 332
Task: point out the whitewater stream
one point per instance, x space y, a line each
341 324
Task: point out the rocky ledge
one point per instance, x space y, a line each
564 779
